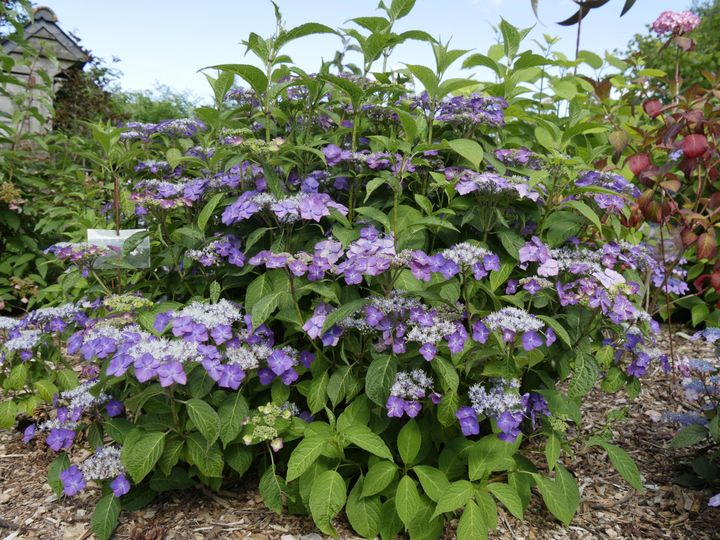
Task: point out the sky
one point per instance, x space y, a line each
169 41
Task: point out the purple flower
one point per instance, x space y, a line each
509 425
60 438
72 480
221 333
531 340
714 501
468 421
114 408
279 362
29 433
428 351
170 372
120 485
395 407
231 377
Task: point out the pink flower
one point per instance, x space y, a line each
672 22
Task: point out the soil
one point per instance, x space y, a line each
610 508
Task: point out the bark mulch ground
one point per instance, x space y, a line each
610 508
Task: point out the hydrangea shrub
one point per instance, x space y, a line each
377 300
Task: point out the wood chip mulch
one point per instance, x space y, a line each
610 508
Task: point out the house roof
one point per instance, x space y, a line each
44 27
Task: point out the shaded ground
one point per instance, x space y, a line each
610 508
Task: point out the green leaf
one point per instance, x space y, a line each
586 211
407 501
173 157
207 211
561 496
489 454
302 30
18 377
472 523
622 462
375 215
390 523
176 480
409 441
105 517
8 411
239 458
206 457
171 453
379 477
433 481
305 455
507 495
271 489
469 149
558 328
400 8
343 312
552 450
363 513
46 389
67 379
447 374
58 465
456 496
338 384
140 454
317 396
380 377
252 75
327 497
426 76
584 376
263 308
205 418
363 437
232 413
689 436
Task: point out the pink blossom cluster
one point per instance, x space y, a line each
672 22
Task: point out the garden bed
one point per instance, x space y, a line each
610 508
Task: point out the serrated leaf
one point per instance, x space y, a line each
379 378
690 435
207 211
206 457
469 149
507 495
379 476
105 517
622 462
342 312
552 450
232 413
456 496
205 418
239 458
304 455
317 395
363 513
58 465
407 501
433 481
558 328
409 440
8 411
472 523
363 437
271 490
584 376
140 454
561 496
327 497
